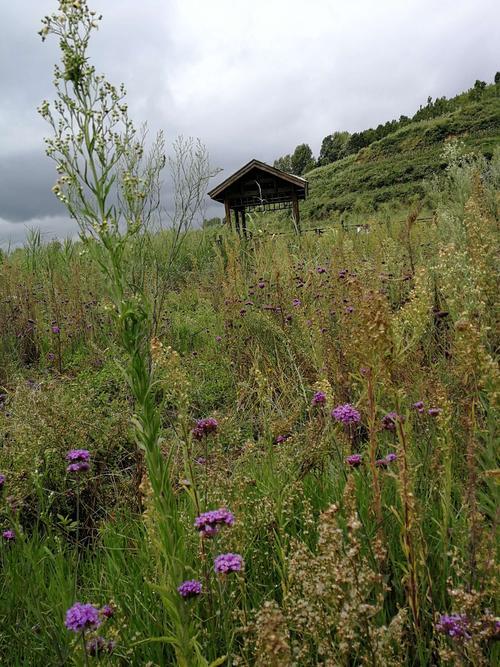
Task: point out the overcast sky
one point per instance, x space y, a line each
251 79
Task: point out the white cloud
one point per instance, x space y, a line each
249 79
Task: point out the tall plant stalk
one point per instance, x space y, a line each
106 185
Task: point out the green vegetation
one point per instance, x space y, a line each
333 398
388 165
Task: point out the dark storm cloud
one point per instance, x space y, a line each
250 79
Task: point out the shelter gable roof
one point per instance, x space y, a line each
298 181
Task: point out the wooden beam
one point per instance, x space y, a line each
237 221
243 222
296 212
228 212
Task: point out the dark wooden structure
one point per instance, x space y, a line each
259 186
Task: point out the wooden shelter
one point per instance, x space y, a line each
259 186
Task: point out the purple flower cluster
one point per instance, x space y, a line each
281 438
383 463
389 421
9 535
346 414
190 589
81 617
420 408
226 563
354 460
455 626
2 481
319 398
205 427
98 646
208 523
79 460
107 611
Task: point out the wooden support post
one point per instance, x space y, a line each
228 213
243 223
237 221
296 212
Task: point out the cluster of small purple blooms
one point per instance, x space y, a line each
454 626
280 439
346 414
209 523
420 408
390 420
190 589
205 427
384 463
79 460
319 398
84 617
226 563
355 460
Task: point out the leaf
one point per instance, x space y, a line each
218 661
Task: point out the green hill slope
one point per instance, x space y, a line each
393 168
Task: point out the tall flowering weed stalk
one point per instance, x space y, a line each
105 181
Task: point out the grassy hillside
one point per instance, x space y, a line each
392 169
352 389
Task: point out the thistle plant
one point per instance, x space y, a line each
108 186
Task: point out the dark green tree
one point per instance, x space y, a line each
284 163
333 147
302 159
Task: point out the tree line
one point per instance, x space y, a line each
341 144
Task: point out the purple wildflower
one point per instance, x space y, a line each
190 589
218 339
296 302
319 398
205 427
208 523
454 626
78 467
201 460
346 414
76 455
98 646
81 617
433 412
107 611
2 481
261 285
9 535
55 330
389 421
281 438
226 563
383 463
320 269
349 309
419 406
354 460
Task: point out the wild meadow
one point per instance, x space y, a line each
279 451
